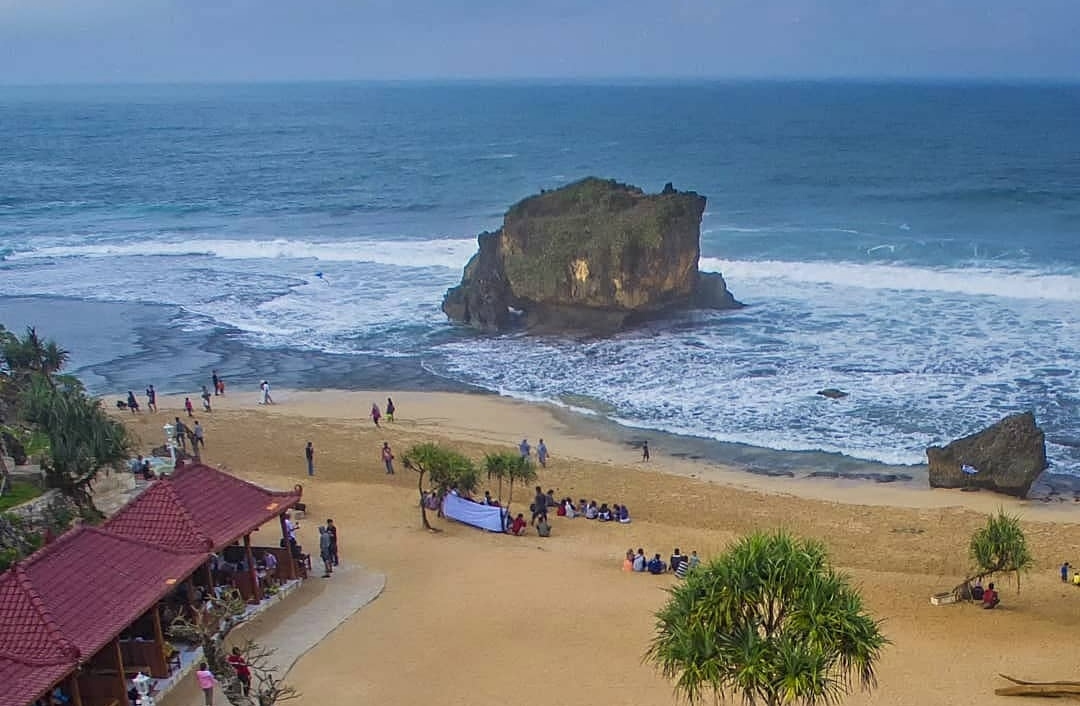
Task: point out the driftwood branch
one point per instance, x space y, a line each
1045 689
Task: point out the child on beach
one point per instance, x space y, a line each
375 414
189 407
518 528
206 682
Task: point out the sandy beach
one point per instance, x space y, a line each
484 619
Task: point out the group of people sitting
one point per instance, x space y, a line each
590 510
679 563
987 596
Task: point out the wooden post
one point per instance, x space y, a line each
73 689
123 699
159 644
251 568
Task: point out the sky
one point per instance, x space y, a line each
106 41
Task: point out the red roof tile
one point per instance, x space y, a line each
158 516
224 507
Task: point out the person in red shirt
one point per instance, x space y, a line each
243 671
518 527
990 597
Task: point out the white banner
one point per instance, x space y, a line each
483 516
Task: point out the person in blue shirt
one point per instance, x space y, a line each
656 565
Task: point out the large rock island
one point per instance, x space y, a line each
1006 457
595 256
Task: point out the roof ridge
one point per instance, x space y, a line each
296 490
196 530
144 543
67 648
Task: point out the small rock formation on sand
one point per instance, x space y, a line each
832 393
1009 456
595 256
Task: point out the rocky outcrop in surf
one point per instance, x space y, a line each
595 256
1006 457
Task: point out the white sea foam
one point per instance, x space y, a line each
1009 283
449 253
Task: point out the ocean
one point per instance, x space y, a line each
916 245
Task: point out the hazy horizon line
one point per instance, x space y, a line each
944 79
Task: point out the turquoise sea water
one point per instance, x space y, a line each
915 245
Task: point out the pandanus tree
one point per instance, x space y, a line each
520 470
998 547
82 439
443 469
769 622
505 465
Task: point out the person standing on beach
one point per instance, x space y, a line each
524 448
151 398
539 509
375 414
645 450
206 399
214 379
206 682
179 434
331 529
200 440
388 458
542 453
189 407
132 403
265 387
390 409
324 551
309 452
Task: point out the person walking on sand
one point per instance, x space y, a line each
645 450
132 403
151 398
375 414
214 379
324 551
206 399
524 448
542 453
388 458
200 440
539 508
179 434
390 409
265 387
309 452
243 671
331 529
206 682
189 407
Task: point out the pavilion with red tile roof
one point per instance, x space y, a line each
64 608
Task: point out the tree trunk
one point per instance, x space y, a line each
5 474
423 502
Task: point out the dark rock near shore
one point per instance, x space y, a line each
1009 456
595 256
832 393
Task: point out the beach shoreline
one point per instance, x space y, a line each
488 418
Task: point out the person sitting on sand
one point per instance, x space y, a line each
677 563
518 527
1076 579
487 498
1065 572
582 507
592 511
639 560
624 514
657 565
604 515
543 529
568 509
628 560
990 597
977 591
